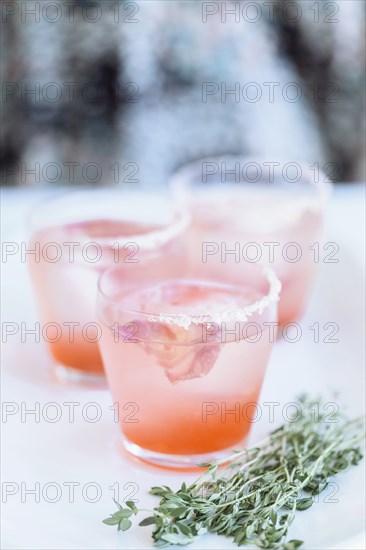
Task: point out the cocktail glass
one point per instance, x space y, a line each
185 357
256 211
75 237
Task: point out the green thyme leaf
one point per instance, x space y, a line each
124 524
147 521
253 495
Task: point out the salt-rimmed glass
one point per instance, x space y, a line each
185 357
250 210
75 237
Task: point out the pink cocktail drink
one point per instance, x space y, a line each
99 229
185 360
243 212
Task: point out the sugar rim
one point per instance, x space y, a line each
152 240
182 186
183 320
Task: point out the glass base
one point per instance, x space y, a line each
74 376
178 462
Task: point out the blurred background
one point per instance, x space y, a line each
121 92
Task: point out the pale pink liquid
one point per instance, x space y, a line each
255 217
66 290
179 392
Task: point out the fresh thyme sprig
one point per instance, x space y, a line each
254 494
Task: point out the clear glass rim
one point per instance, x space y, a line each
164 233
180 180
239 314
